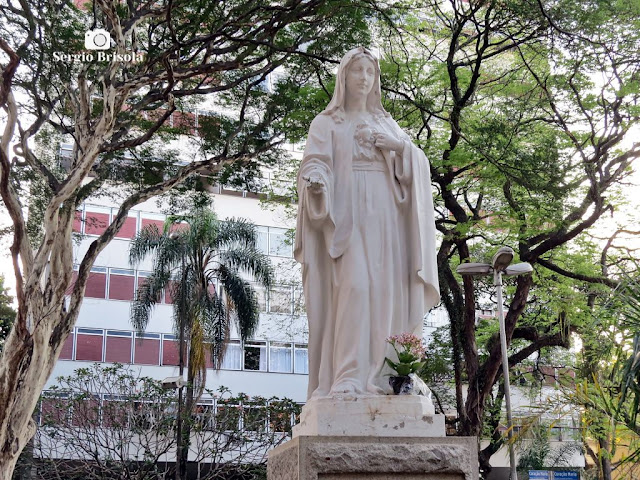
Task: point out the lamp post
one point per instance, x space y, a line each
501 264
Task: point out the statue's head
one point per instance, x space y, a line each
358 58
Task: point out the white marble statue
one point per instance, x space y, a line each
365 235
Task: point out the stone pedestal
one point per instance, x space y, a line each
374 458
383 437
378 416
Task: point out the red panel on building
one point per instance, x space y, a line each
85 413
170 352
168 298
96 285
121 287
157 223
96 223
184 120
147 351
141 281
207 355
118 349
175 227
77 221
51 413
128 230
67 349
114 414
89 347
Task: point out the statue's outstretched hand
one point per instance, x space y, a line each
315 183
385 141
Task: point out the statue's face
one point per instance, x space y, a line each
360 77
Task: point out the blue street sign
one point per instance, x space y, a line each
553 475
539 475
566 475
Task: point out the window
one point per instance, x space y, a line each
118 346
280 357
274 241
233 356
114 412
301 359
228 416
263 239
147 349
121 284
255 356
254 418
86 412
89 344
280 300
204 417
280 418
97 283
262 296
141 415
54 410
96 220
278 244
170 350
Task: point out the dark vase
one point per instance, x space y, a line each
402 385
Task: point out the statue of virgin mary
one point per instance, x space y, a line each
365 235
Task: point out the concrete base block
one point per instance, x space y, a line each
380 415
374 458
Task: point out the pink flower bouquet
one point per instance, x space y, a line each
410 352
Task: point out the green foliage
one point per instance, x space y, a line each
537 452
194 254
410 352
118 424
7 313
256 59
518 106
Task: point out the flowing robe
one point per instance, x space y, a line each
366 243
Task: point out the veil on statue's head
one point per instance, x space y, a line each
374 103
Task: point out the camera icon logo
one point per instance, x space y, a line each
98 39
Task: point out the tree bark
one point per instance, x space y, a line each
604 460
481 383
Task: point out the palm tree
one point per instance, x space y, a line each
194 255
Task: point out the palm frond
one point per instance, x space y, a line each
216 327
146 297
197 358
146 242
183 294
630 294
244 300
187 261
235 231
250 260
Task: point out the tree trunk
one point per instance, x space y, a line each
185 441
605 461
27 362
481 383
